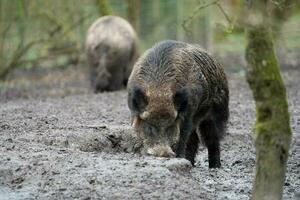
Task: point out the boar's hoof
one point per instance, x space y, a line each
215 164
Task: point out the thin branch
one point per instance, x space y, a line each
16 57
3 38
224 13
48 56
22 50
186 22
75 24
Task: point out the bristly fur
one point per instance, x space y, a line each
111 49
181 78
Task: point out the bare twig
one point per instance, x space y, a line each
75 24
188 20
223 12
16 57
48 56
22 50
3 36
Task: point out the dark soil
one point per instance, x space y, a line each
62 142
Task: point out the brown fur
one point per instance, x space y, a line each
111 49
177 94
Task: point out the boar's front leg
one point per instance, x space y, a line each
192 147
210 136
185 132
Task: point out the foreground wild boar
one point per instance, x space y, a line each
111 49
177 94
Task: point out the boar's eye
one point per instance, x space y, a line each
181 100
137 100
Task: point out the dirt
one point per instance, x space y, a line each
78 145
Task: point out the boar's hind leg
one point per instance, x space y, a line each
192 147
210 136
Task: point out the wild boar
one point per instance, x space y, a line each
111 49
178 95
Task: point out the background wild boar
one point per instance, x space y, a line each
111 49
177 94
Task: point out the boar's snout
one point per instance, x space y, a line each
161 151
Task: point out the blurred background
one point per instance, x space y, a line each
42 42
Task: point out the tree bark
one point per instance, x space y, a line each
281 10
272 131
133 12
103 7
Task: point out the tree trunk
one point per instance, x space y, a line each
205 31
170 16
103 7
281 11
133 12
272 132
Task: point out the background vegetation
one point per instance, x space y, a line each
51 33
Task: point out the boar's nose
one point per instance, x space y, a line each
161 151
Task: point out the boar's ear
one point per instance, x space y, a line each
137 100
181 100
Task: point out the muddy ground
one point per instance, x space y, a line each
62 144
